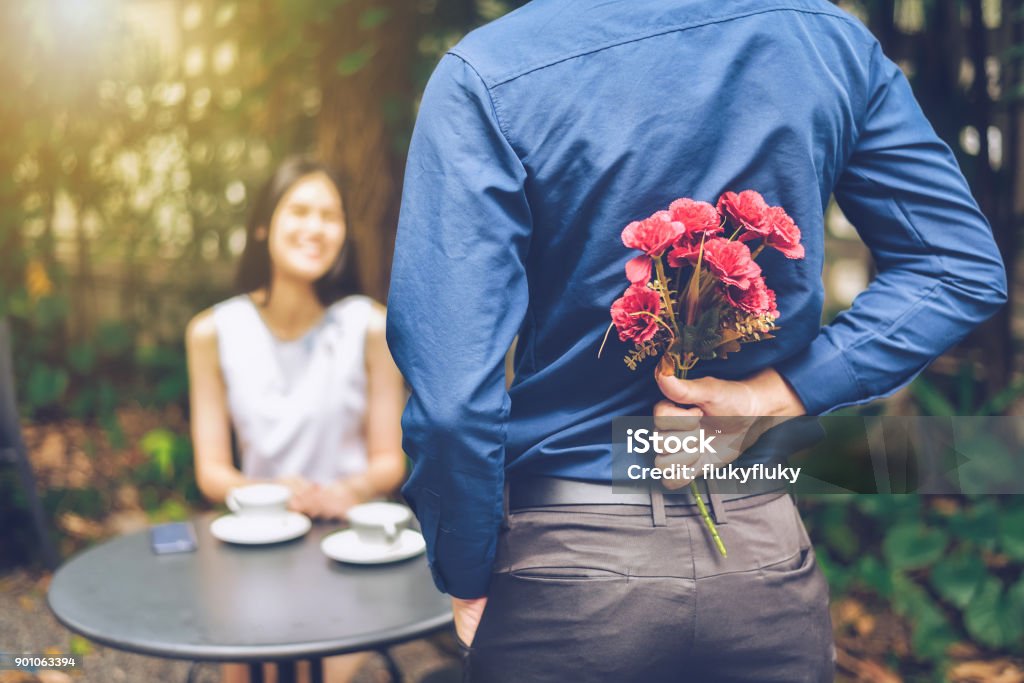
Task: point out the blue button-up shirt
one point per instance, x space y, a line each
545 132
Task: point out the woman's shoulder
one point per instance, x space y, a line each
202 328
361 312
358 305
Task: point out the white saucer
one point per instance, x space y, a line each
260 529
345 546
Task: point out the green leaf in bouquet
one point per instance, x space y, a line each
676 347
911 546
728 342
688 338
704 336
992 618
959 578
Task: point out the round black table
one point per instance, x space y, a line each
231 603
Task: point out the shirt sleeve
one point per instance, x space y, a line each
939 272
458 296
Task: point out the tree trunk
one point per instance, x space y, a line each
366 78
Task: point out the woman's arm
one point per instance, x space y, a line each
211 422
384 403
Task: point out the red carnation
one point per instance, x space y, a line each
652 235
638 270
635 312
783 233
747 209
686 249
757 299
698 217
731 262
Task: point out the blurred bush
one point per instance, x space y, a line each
952 566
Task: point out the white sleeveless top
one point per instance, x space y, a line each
298 407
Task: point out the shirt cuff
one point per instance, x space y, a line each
821 377
455 576
460 560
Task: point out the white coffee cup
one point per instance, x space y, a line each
259 499
379 523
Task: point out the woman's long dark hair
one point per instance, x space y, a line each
254 269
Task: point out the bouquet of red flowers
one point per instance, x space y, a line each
715 298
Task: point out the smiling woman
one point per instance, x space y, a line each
296 365
301 194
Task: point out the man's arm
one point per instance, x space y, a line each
939 270
458 296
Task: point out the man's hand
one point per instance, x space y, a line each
467 615
764 394
753 405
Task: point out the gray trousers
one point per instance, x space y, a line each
620 593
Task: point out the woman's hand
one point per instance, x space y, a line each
321 502
336 499
305 495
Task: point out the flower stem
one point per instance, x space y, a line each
693 293
666 298
707 519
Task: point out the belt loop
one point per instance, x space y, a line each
504 506
717 504
658 506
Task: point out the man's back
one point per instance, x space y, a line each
544 133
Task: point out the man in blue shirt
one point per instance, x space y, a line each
540 136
